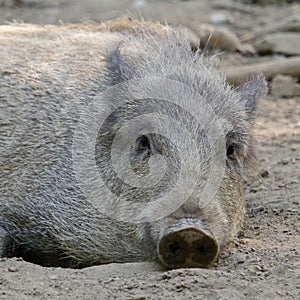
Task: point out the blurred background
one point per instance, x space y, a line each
239 31
172 11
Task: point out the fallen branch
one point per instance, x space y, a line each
289 66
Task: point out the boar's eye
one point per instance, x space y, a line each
143 144
231 151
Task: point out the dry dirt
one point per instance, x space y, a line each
263 262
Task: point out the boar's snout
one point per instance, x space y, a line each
187 247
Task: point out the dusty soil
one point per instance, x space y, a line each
263 262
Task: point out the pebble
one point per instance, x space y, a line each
13 269
223 39
287 43
218 18
190 35
264 173
138 3
283 86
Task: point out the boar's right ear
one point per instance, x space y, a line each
251 91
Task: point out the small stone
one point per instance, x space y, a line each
138 4
165 276
218 18
287 43
264 174
190 35
222 39
283 86
13 269
18 259
246 48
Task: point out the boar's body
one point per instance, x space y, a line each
49 74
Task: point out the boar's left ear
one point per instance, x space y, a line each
120 69
251 91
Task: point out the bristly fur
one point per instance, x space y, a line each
45 214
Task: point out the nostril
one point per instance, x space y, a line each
175 248
205 250
201 249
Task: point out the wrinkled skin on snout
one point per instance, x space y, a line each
54 210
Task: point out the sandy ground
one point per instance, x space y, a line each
263 262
